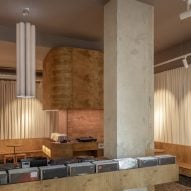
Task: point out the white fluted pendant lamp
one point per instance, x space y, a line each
26 57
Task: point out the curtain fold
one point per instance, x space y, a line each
172 106
23 118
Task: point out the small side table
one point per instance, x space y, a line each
10 157
14 150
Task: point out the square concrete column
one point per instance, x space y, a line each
128 79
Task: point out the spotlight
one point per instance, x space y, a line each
185 62
187 13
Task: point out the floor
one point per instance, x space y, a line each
184 184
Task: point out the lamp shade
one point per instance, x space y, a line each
25 50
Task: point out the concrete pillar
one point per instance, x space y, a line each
128 79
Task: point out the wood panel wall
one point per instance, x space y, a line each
73 79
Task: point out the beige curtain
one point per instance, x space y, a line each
173 106
23 118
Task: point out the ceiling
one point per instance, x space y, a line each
83 19
71 18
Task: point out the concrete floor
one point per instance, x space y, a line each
186 181
184 184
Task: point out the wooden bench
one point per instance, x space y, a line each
31 153
182 153
31 146
184 169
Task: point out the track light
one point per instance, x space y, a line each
185 62
187 13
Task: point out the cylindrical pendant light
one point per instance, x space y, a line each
25 44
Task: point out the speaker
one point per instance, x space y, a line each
25 163
49 172
106 165
64 161
3 177
37 161
166 159
147 161
127 163
23 175
81 168
57 137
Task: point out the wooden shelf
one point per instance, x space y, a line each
110 181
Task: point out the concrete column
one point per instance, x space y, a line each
128 79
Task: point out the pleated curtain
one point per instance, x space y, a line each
23 118
172 106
